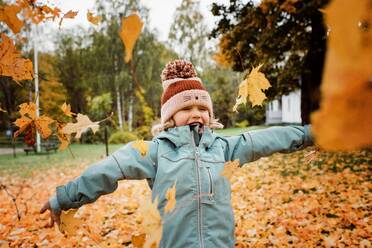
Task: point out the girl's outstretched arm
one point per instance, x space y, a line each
102 177
252 145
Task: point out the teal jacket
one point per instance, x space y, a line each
203 216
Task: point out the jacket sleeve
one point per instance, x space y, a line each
253 145
102 178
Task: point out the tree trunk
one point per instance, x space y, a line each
313 68
118 106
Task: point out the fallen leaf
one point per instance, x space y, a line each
62 137
138 240
130 30
11 63
252 87
66 108
170 195
152 224
69 224
8 14
230 168
83 124
93 19
141 146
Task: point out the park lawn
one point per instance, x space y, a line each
77 154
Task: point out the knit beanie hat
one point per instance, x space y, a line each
182 88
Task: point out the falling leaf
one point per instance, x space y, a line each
69 224
83 124
141 146
11 64
152 224
28 123
130 30
8 14
252 87
62 137
344 119
170 195
230 168
93 19
66 108
70 14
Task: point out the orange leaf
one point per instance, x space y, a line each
63 138
42 125
11 64
130 30
23 123
70 14
28 109
8 14
69 224
152 224
93 19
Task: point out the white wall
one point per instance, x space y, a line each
291 107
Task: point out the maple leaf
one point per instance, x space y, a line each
230 168
138 240
66 108
69 224
83 124
93 19
170 195
8 14
70 14
130 30
141 146
252 87
28 123
152 224
11 64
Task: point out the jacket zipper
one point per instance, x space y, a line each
210 183
200 215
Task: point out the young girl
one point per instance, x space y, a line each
186 151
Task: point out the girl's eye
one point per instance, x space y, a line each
186 108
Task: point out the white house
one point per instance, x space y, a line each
287 109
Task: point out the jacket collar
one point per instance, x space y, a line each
182 135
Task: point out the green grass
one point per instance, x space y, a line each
237 130
24 164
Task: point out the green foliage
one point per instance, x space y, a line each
143 132
241 124
100 106
287 36
122 137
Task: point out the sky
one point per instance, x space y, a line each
161 14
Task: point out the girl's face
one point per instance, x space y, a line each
191 114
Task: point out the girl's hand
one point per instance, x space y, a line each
55 217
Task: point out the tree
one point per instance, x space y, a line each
188 35
287 36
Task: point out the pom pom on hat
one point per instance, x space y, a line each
178 69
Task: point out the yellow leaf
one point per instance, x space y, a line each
42 125
11 64
8 14
141 146
344 119
252 87
229 168
66 108
138 240
62 137
130 30
83 124
170 195
23 123
93 19
69 224
152 224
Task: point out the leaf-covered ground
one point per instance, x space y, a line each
282 200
